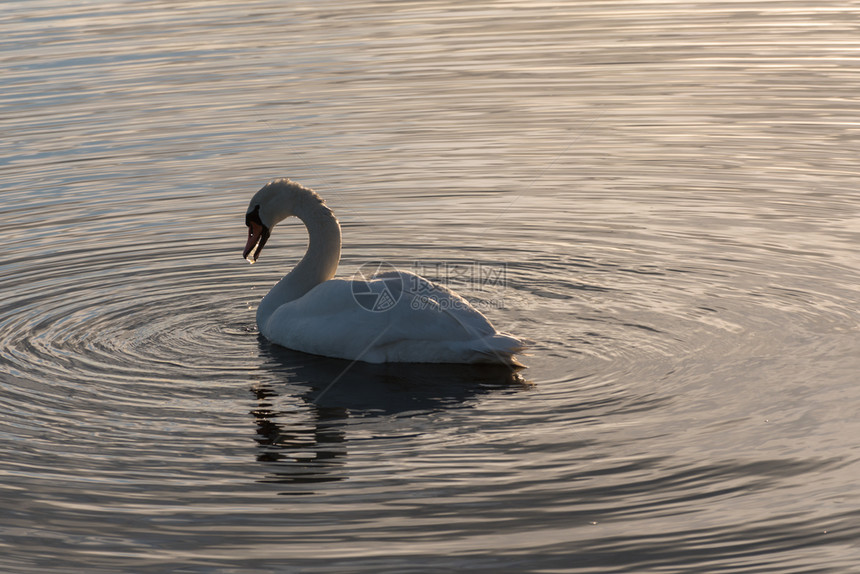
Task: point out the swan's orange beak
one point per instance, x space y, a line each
258 234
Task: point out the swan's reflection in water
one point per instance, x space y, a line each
303 451
307 403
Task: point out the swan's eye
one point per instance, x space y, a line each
253 216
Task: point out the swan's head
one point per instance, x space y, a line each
276 201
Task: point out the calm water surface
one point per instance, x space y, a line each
662 196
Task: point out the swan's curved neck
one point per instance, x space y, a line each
319 263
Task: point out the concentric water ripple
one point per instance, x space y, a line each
120 313
143 390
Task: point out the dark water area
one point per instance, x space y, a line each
662 197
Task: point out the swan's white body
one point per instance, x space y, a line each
308 311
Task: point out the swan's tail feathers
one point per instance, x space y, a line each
500 348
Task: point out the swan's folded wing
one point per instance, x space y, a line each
422 322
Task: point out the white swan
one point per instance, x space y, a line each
392 317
